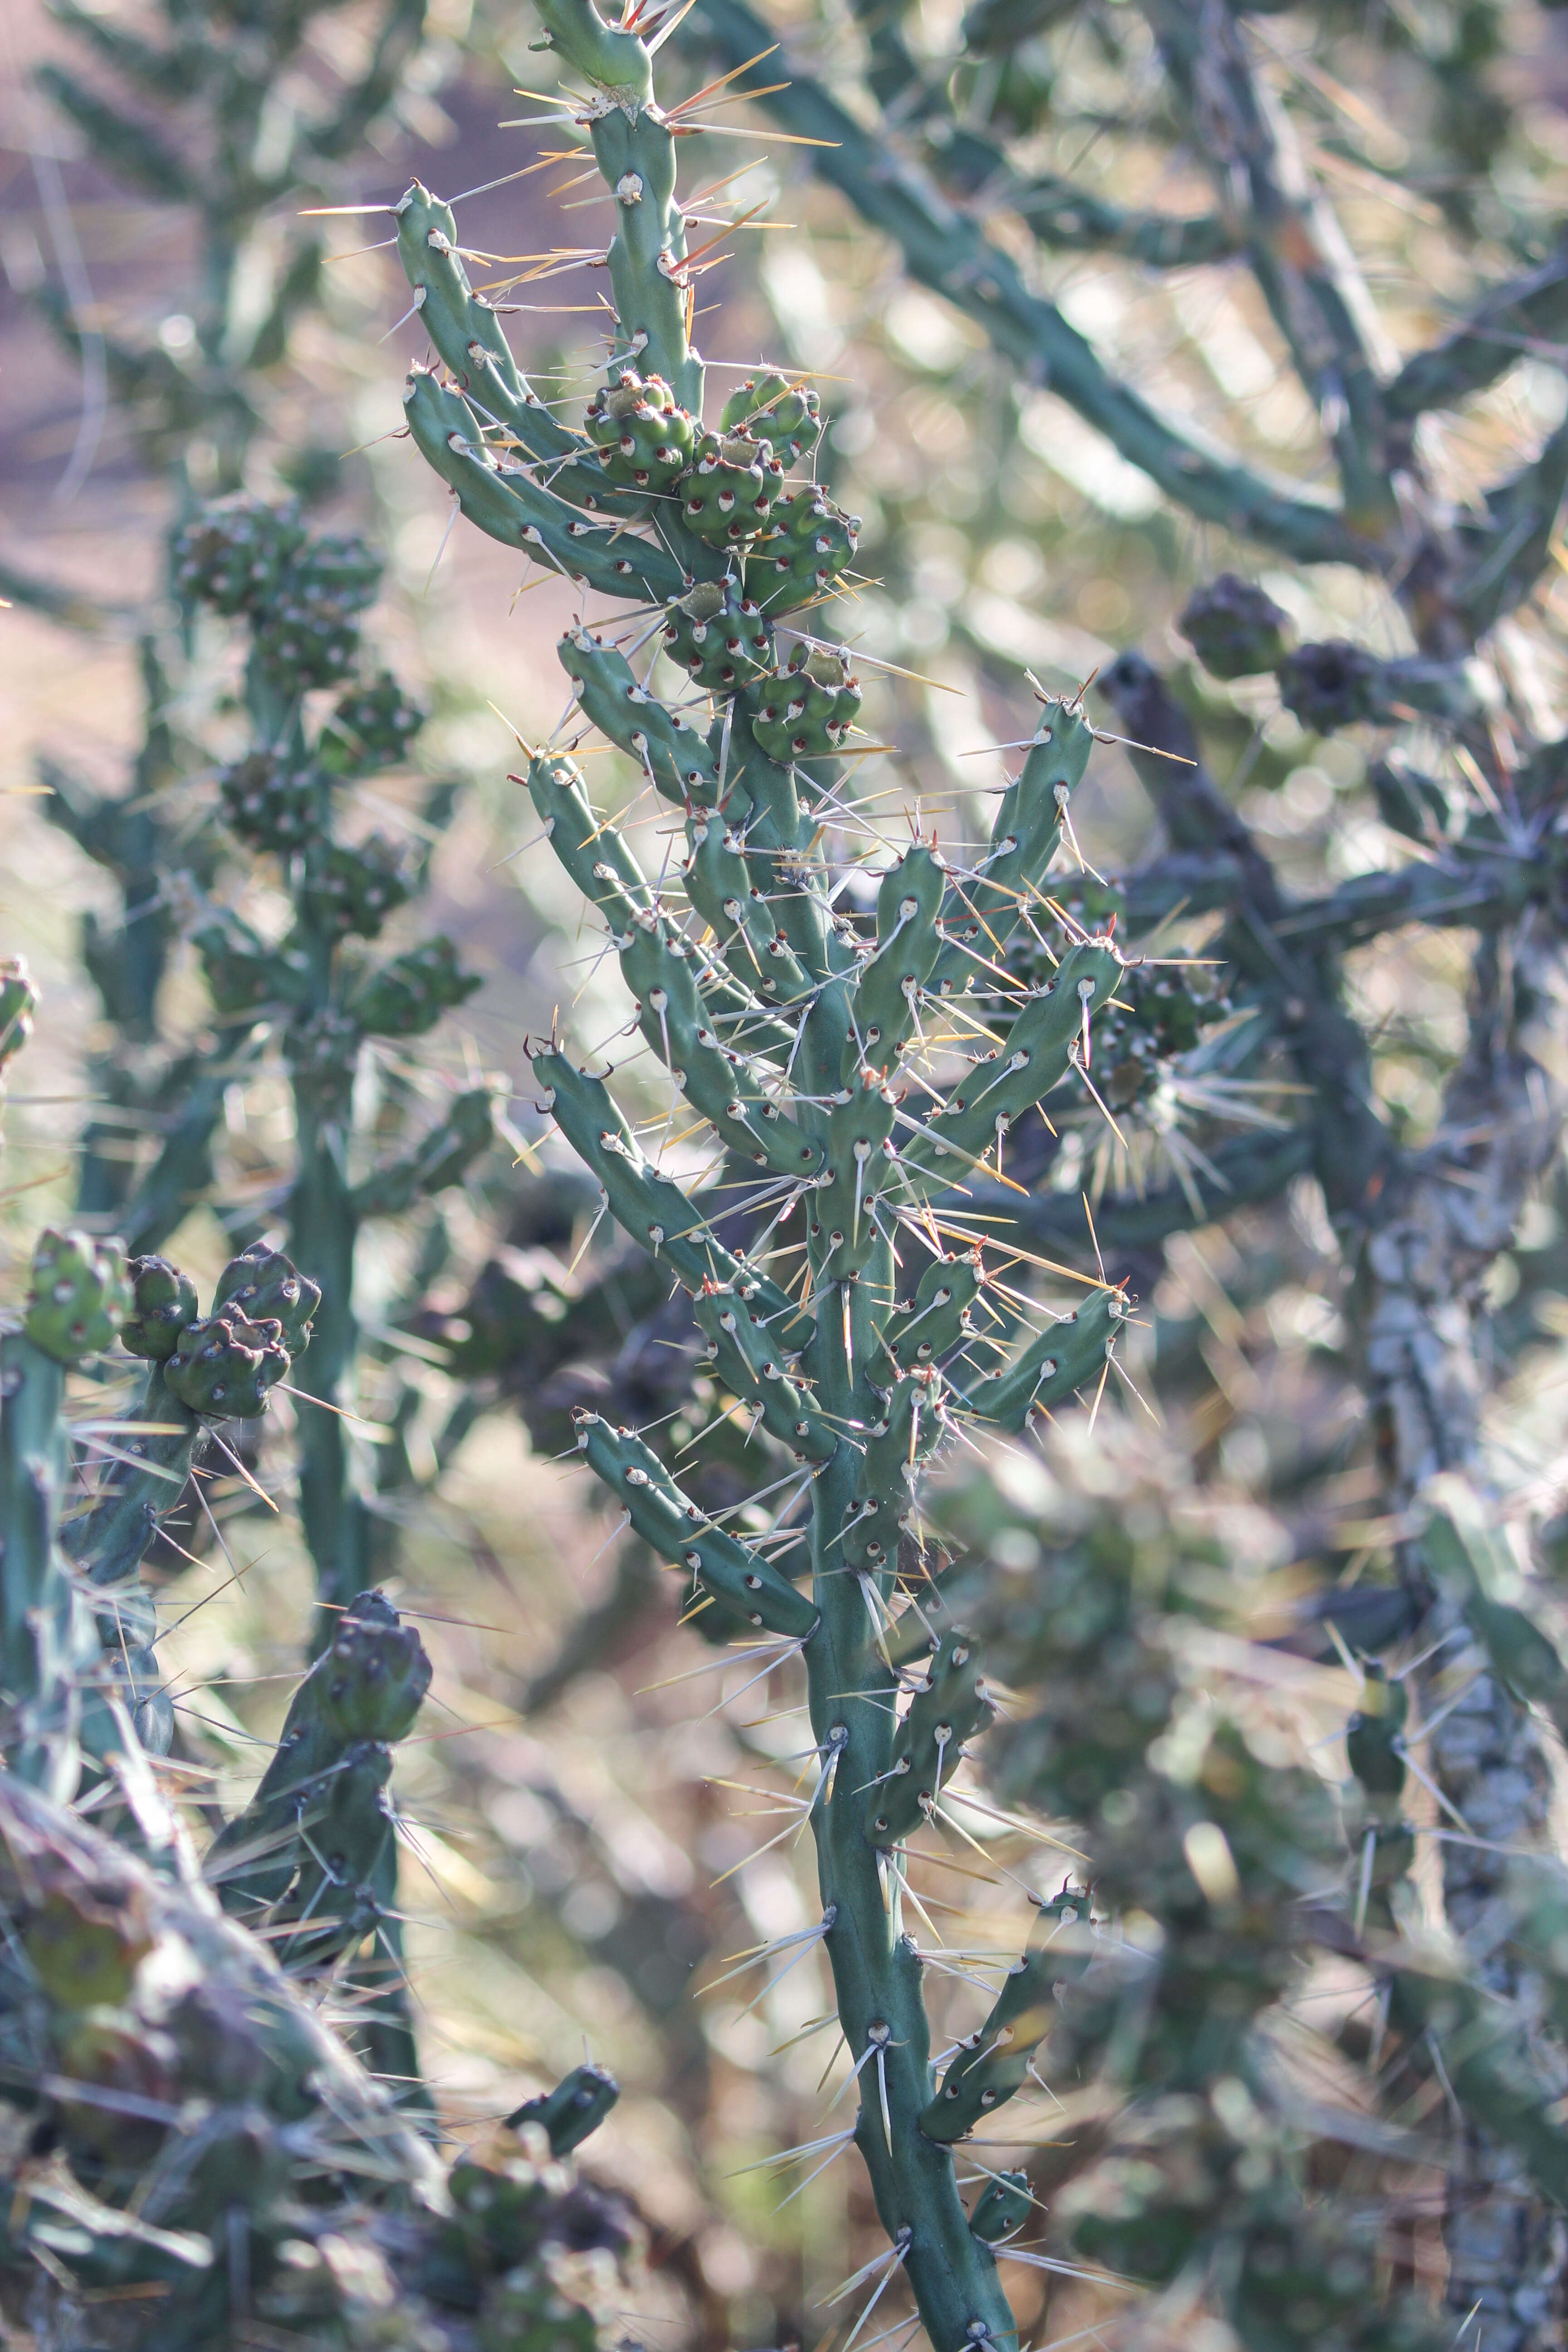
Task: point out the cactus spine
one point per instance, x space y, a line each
783 1022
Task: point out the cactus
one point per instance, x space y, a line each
786 1027
298 598
195 2102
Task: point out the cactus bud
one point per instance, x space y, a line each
79 1295
787 416
357 888
726 497
323 1053
308 632
234 554
644 436
270 801
719 634
410 995
370 1682
371 727
264 1287
19 1002
225 1365
1235 628
1329 685
576 2106
163 1301
804 712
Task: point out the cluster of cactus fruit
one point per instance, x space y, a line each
792 1027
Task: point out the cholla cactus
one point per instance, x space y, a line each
789 1025
300 596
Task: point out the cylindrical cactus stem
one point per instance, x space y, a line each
50 1649
576 2106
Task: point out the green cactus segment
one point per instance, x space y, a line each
1474 1563
440 1159
938 1320
163 1301
502 498
674 753
983 911
805 551
644 437
719 636
576 2106
266 1287
1002 2208
244 974
995 2064
756 1363
950 1708
681 1533
47 1643
786 415
726 885
654 1212
270 801
910 1425
805 711
79 1295
1047 1038
1375 1735
409 995
1066 1357
594 852
19 1002
467 333
361 1695
226 1366
656 964
884 1011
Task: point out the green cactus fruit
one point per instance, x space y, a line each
79 1295
370 1682
728 494
644 437
163 1301
86 1954
322 1055
807 548
233 554
308 633
19 1002
804 712
1002 2208
1235 628
409 995
787 416
371 727
243 973
719 634
358 886
267 1287
270 801
1329 685
576 2106
225 1365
